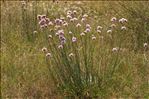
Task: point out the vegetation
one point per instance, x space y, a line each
75 50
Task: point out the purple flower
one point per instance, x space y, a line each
74 39
87 30
113 19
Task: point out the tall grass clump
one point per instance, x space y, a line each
80 69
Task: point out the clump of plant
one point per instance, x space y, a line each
86 60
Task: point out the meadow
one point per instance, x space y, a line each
74 49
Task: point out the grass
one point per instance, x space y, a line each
96 65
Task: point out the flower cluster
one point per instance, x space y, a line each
43 21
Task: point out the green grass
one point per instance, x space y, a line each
95 71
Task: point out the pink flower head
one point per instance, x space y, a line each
115 49
122 20
43 16
44 49
145 45
123 28
87 30
69 16
48 55
61 32
88 26
78 25
42 22
113 19
39 17
71 54
74 39
60 46
83 20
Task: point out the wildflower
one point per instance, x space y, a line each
58 21
98 31
60 46
35 32
113 26
69 16
49 36
88 26
78 25
74 39
62 18
65 24
99 27
72 20
123 28
43 16
75 19
61 32
113 19
71 54
115 49
87 30
70 32
145 45
69 12
42 22
109 31
63 42
39 17
82 34
56 34
47 20
122 20
83 20
48 55
74 12
93 37
44 49
62 38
